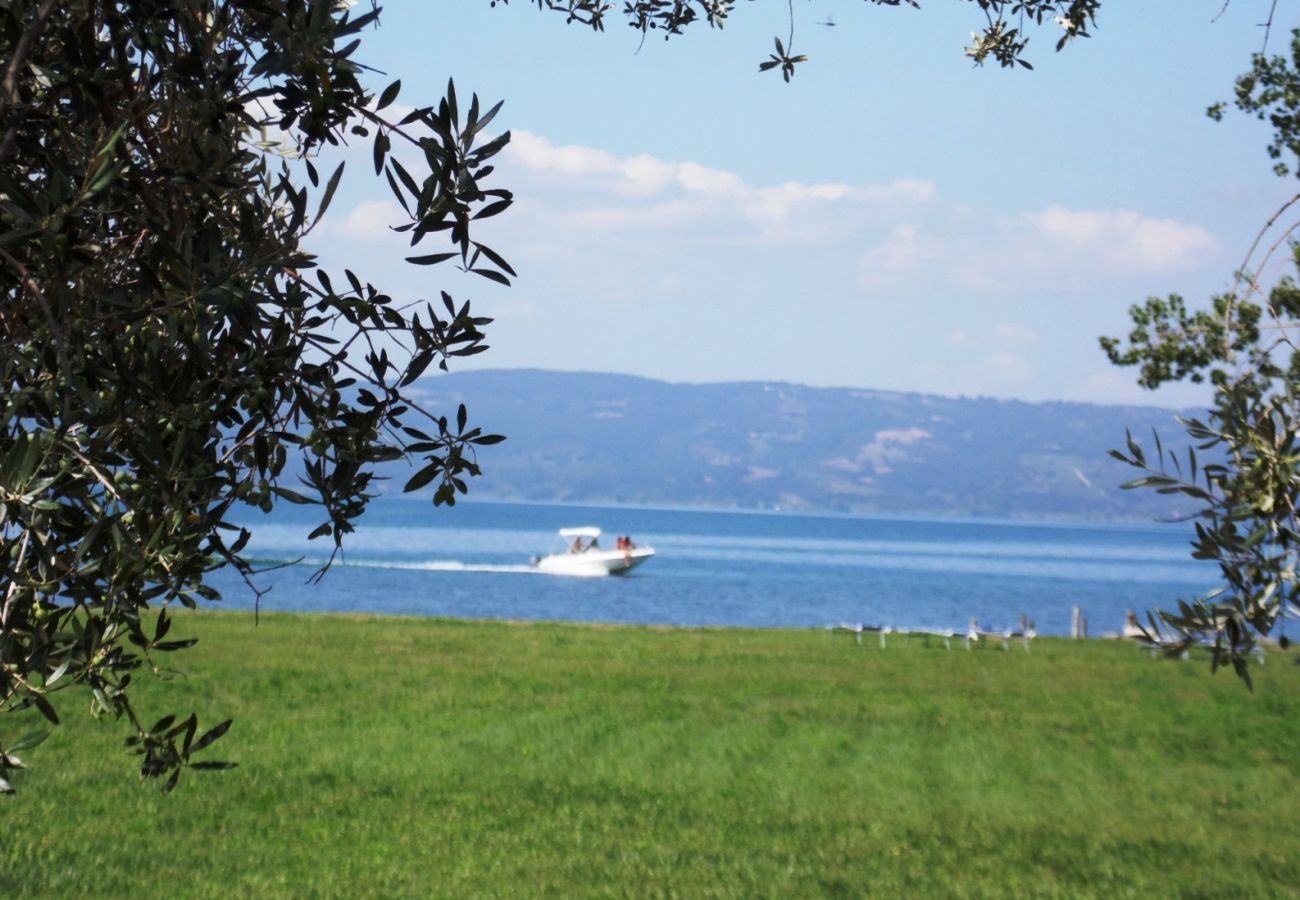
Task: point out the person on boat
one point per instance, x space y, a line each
576 547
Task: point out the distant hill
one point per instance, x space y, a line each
580 437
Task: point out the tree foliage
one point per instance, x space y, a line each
1003 34
1245 344
169 344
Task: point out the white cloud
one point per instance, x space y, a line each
696 178
1124 239
947 245
644 175
537 152
941 247
371 220
895 259
642 190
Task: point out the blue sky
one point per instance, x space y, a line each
891 219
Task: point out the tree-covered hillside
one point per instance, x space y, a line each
614 438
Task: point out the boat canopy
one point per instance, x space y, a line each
587 531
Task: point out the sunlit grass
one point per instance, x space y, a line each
409 757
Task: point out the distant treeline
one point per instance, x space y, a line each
584 437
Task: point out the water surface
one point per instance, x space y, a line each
726 568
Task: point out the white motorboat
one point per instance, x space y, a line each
584 556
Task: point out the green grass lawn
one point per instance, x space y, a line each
417 757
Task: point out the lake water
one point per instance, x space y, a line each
726 568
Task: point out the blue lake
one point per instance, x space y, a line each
725 568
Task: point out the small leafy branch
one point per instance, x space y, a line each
1003 36
784 60
1246 525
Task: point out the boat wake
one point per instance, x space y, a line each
432 565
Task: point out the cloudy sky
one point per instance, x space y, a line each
892 219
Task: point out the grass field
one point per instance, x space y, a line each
410 757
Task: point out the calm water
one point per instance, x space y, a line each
722 568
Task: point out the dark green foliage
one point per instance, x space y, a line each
167 344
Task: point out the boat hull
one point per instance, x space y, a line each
594 563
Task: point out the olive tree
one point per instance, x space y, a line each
1245 345
168 344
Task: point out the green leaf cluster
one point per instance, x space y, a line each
1270 91
169 345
